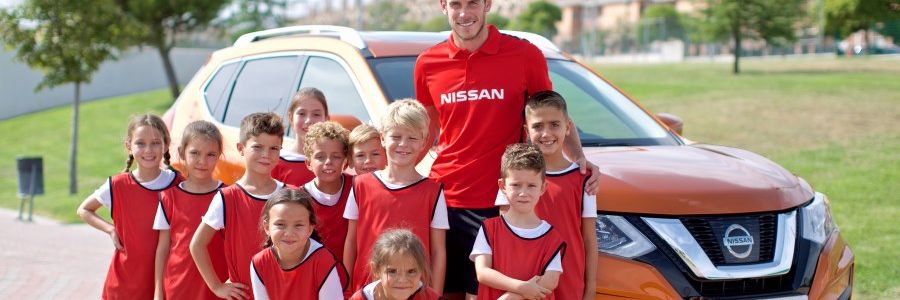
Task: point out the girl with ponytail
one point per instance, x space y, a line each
132 198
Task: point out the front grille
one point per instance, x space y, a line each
749 286
703 230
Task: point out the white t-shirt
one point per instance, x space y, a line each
481 246
438 221
160 222
369 289
588 202
215 214
289 155
104 195
322 197
330 290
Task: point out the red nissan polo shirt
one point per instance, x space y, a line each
480 97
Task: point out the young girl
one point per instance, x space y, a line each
398 261
307 107
179 213
293 266
132 198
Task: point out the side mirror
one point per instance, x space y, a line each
672 121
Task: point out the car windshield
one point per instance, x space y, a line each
603 115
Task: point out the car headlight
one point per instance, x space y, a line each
618 237
817 223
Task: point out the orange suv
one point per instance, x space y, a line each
677 219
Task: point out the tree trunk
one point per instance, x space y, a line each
736 31
164 52
73 147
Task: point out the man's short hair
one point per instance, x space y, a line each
522 157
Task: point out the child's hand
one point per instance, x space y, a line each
231 290
531 290
115 240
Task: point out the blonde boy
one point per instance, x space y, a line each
366 150
397 196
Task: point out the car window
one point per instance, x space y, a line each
218 88
394 74
263 85
332 79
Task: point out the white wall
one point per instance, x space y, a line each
135 71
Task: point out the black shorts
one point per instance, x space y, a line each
464 225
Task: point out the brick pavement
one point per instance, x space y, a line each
49 260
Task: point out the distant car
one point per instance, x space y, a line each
677 219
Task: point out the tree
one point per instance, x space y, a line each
436 24
67 40
539 17
385 15
162 21
843 17
256 15
493 18
660 22
736 20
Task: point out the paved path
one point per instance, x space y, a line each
49 260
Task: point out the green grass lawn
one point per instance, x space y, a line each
101 150
832 122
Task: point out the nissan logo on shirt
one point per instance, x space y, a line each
472 95
738 241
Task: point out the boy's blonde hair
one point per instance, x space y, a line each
405 113
398 242
258 123
522 157
326 130
363 133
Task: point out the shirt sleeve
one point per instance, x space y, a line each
259 290
501 199
481 246
589 206
103 194
160 222
421 84
538 75
351 210
215 214
555 263
439 220
331 289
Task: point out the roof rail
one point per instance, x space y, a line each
535 39
346 34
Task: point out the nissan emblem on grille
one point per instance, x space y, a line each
738 241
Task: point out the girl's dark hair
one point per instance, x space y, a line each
154 122
286 196
398 242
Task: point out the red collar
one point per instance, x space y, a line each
490 46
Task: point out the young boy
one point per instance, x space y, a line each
517 255
326 145
566 203
397 196
365 147
236 209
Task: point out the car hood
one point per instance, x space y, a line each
694 179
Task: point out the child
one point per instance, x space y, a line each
179 212
132 198
308 107
326 144
293 266
398 262
235 210
566 203
365 146
397 196
502 267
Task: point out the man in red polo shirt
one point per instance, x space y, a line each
474 86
